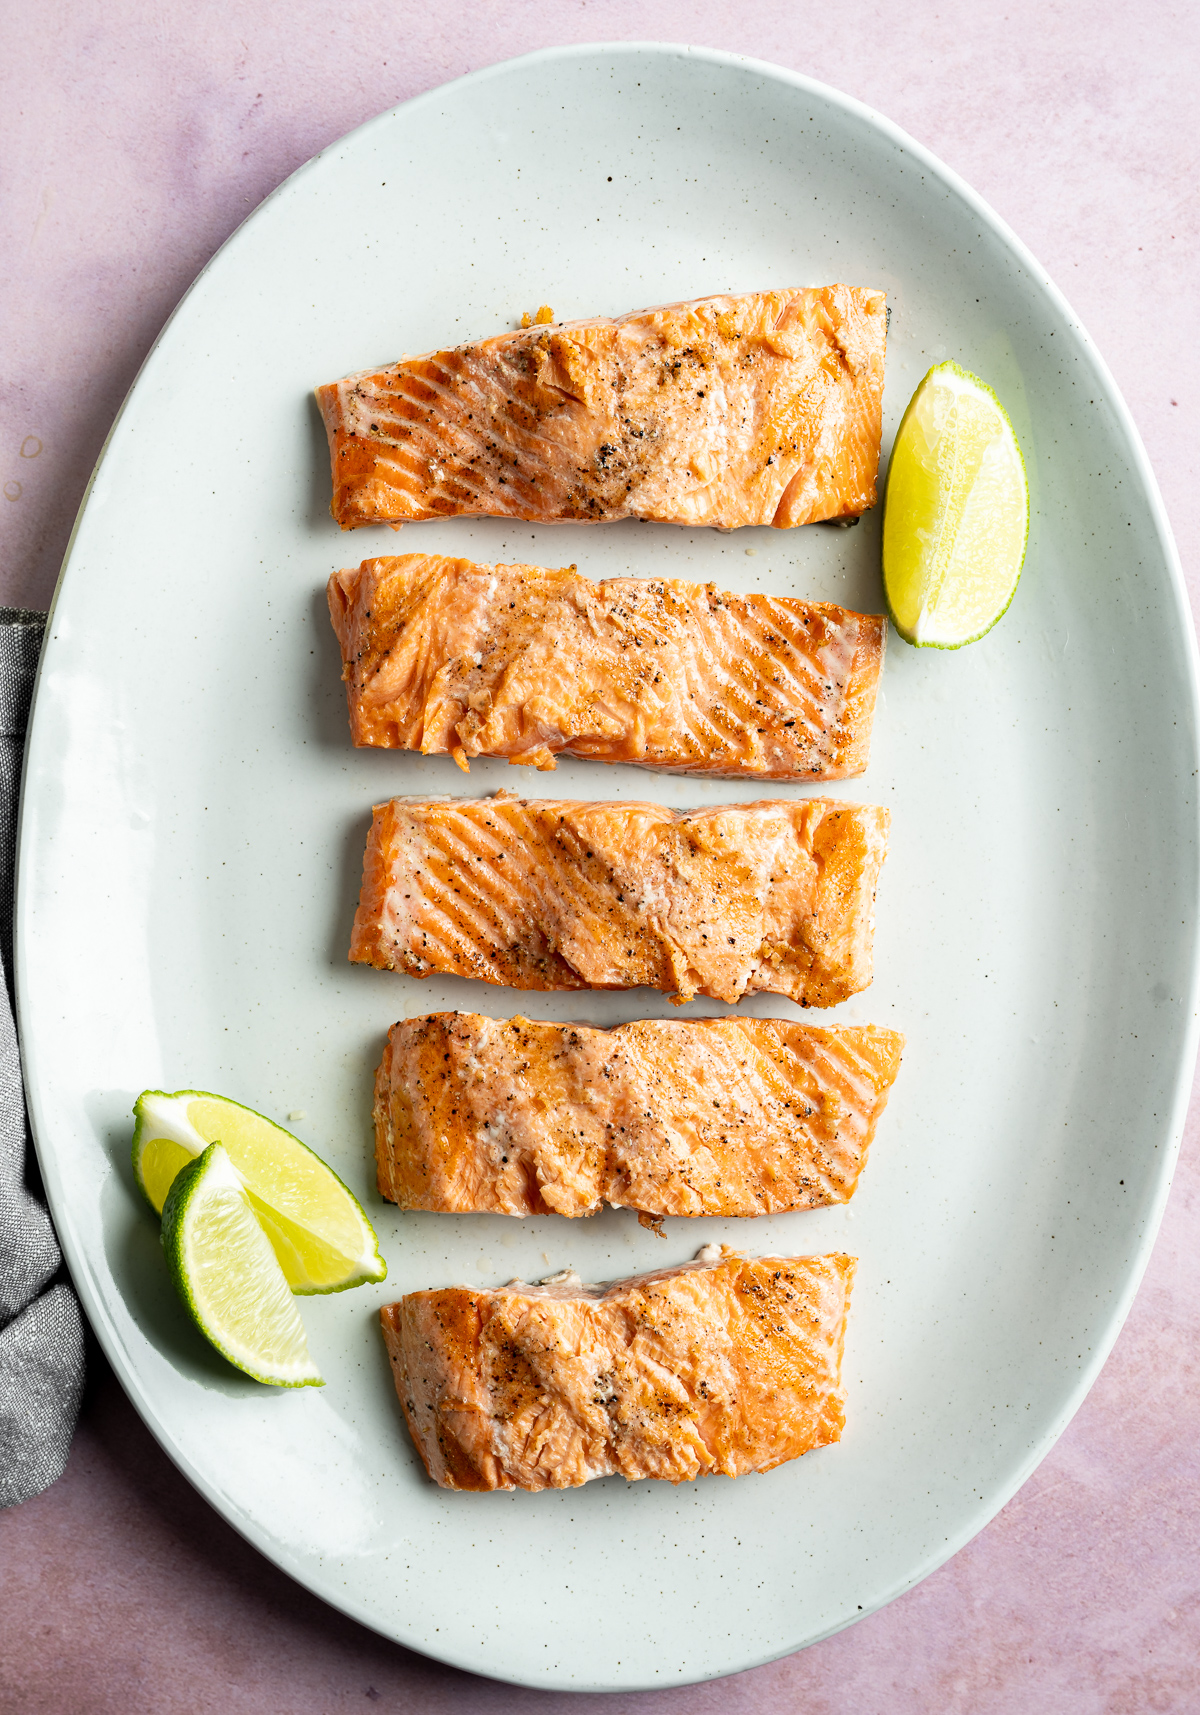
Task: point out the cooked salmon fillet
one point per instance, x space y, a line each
558 894
728 1364
763 408
443 655
707 1116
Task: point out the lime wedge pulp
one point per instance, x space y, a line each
322 1238
224 1267
955 513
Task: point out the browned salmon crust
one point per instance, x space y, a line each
727 1366
709 1116
447 656
763 408
558 894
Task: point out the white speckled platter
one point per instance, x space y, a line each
194 818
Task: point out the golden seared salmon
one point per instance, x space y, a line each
763 408
728 1364
443 655
706 1116
558 894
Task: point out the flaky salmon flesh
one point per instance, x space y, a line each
708 1116
759 408
729 1364
446 656
775 896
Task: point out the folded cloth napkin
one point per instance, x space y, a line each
41 1330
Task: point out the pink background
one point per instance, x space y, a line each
134 136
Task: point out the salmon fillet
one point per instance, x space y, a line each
763 408
559 894
728 1365
709 1116
447 656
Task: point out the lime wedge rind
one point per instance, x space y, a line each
1002 561
226 1273
323 1240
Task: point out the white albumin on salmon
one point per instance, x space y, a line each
775 896
712 1116
758 408
729 1364
445 656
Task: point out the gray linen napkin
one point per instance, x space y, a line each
41 1329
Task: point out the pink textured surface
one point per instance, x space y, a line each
135 137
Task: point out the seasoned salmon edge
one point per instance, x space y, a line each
758 408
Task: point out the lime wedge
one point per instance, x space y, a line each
956 512
225 1269
322 1238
